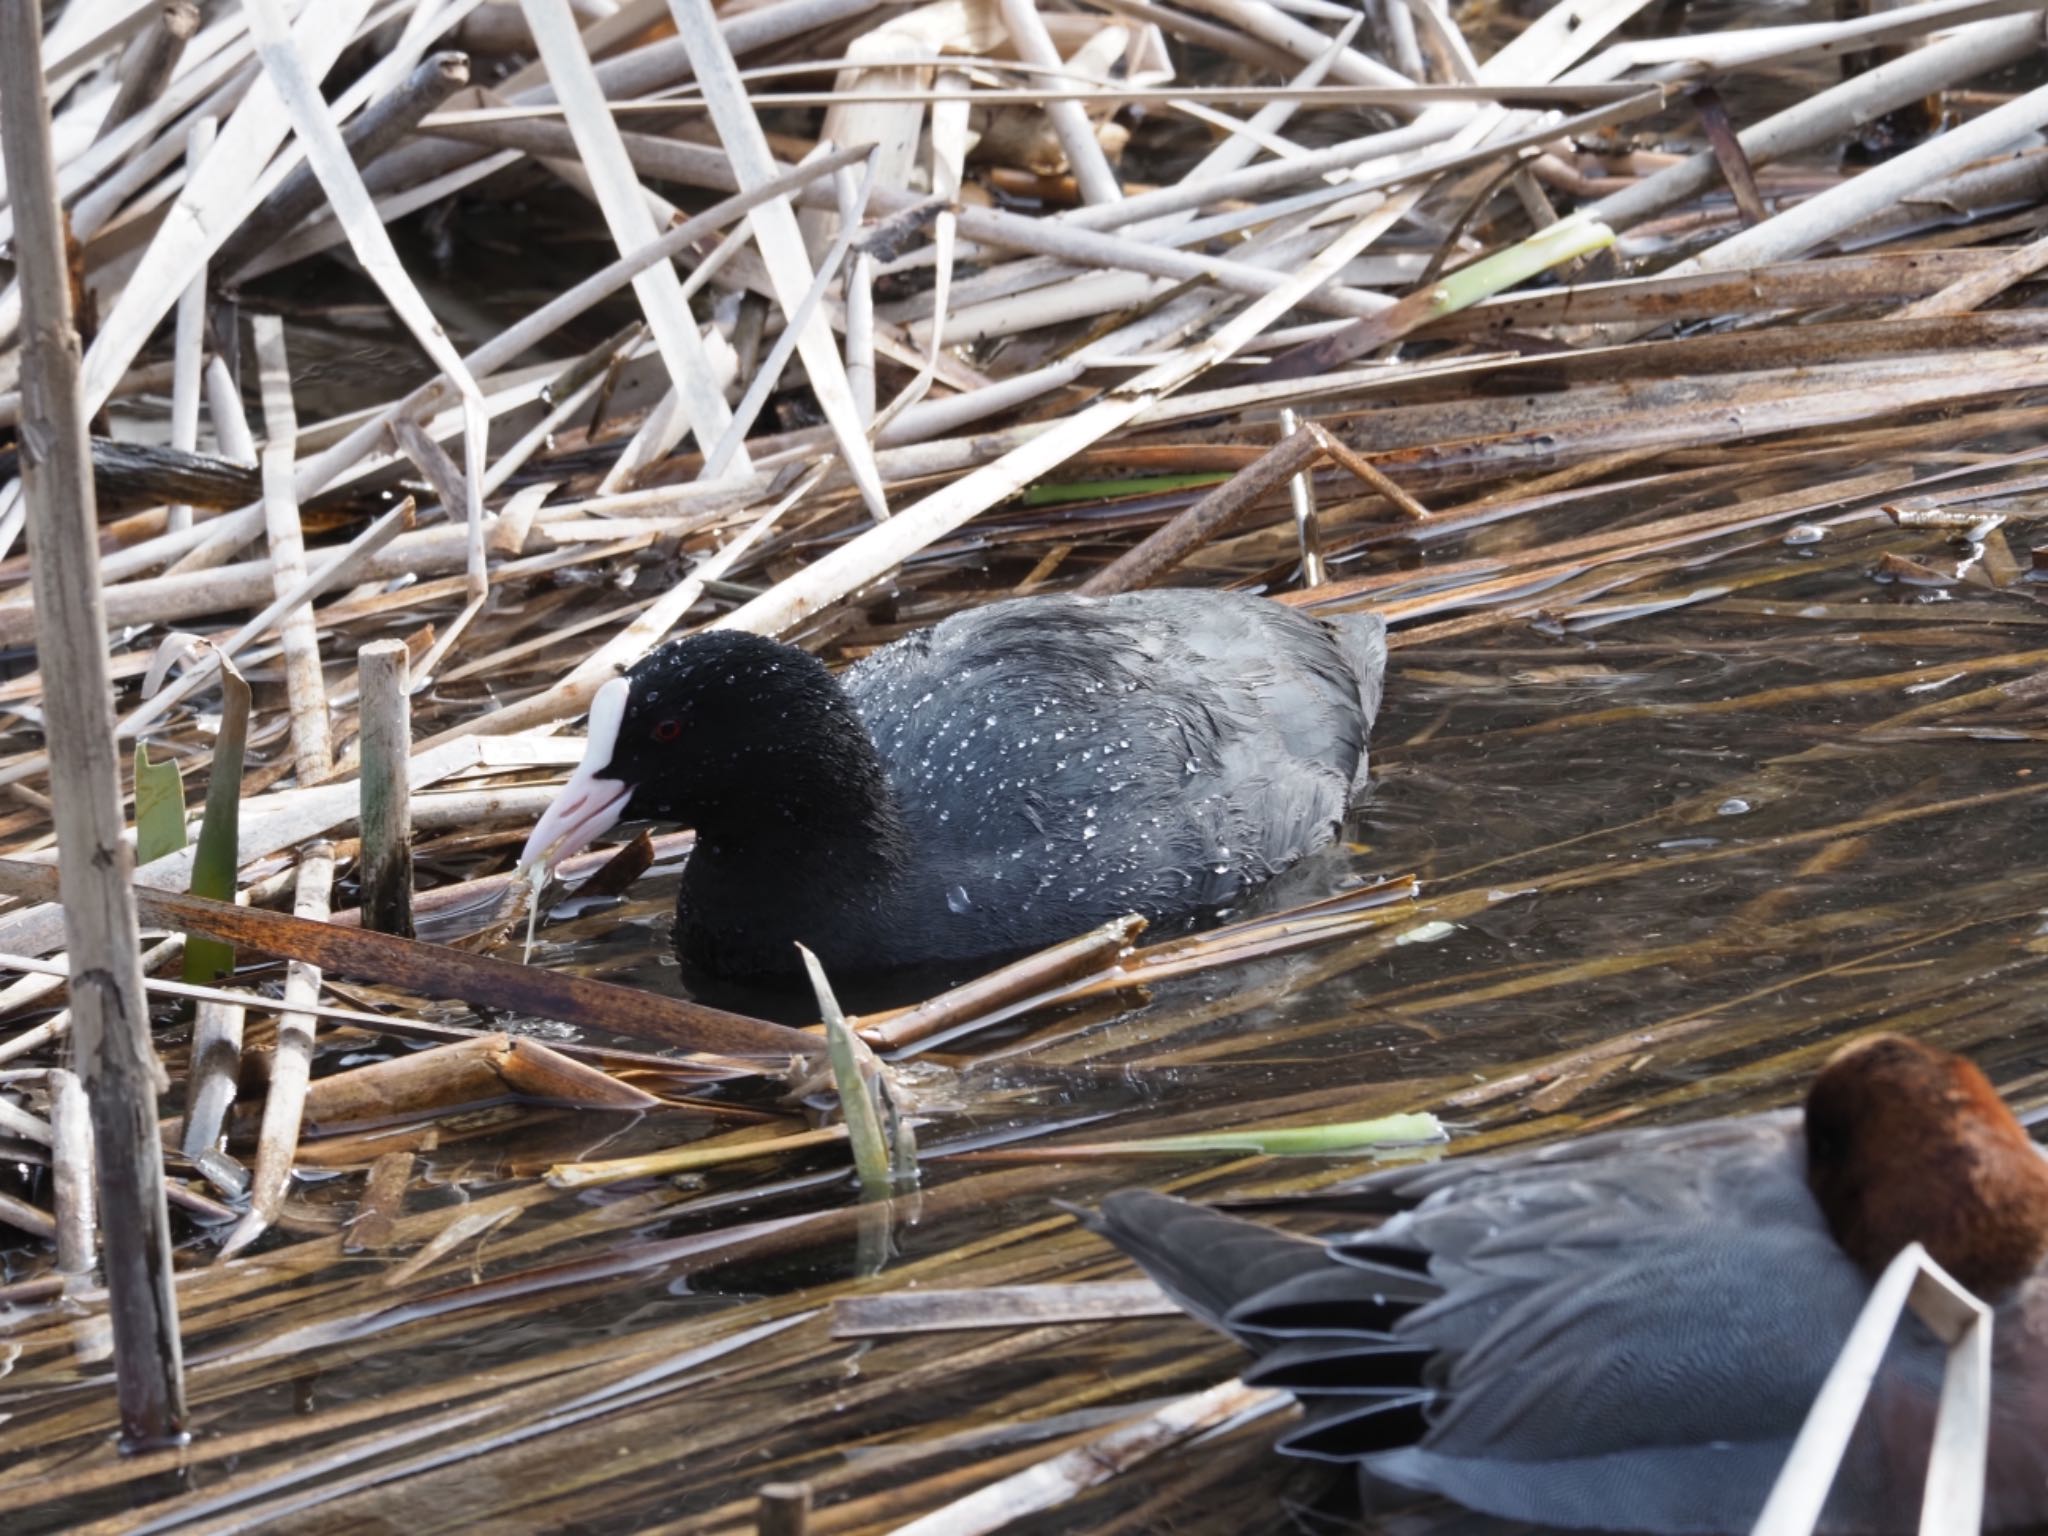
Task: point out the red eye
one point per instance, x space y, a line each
668 730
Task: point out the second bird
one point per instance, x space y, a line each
1009 778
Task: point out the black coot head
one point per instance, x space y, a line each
708 725
708 716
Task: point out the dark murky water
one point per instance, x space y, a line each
1729 833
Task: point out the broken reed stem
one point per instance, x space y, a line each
941 1310
784 1509
472 1071
71 1174
110 1019
1070 122
432 461
151 60
370 1229
213 1075
1735 167
383 673
987 995
1052 1482
297 630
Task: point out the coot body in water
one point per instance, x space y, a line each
1009 778
1626 1332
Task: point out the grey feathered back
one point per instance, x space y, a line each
1207 741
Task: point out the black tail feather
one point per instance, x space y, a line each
1207 1262
1323 1365
1322 1326
1339 1429
1345 1299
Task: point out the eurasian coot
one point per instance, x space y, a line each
1009 778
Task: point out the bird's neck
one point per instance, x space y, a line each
814 792
815 844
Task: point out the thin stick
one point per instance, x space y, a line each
1116 92
1069 118
24 1217
996 1306
376 130
442 972
779 242
624 205
382 669
1205 519
1301 496
1369 472
1020 980
860 307
111 1025
1052 1482
189 359
1799 229
290 1064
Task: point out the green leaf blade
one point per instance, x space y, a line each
159 807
